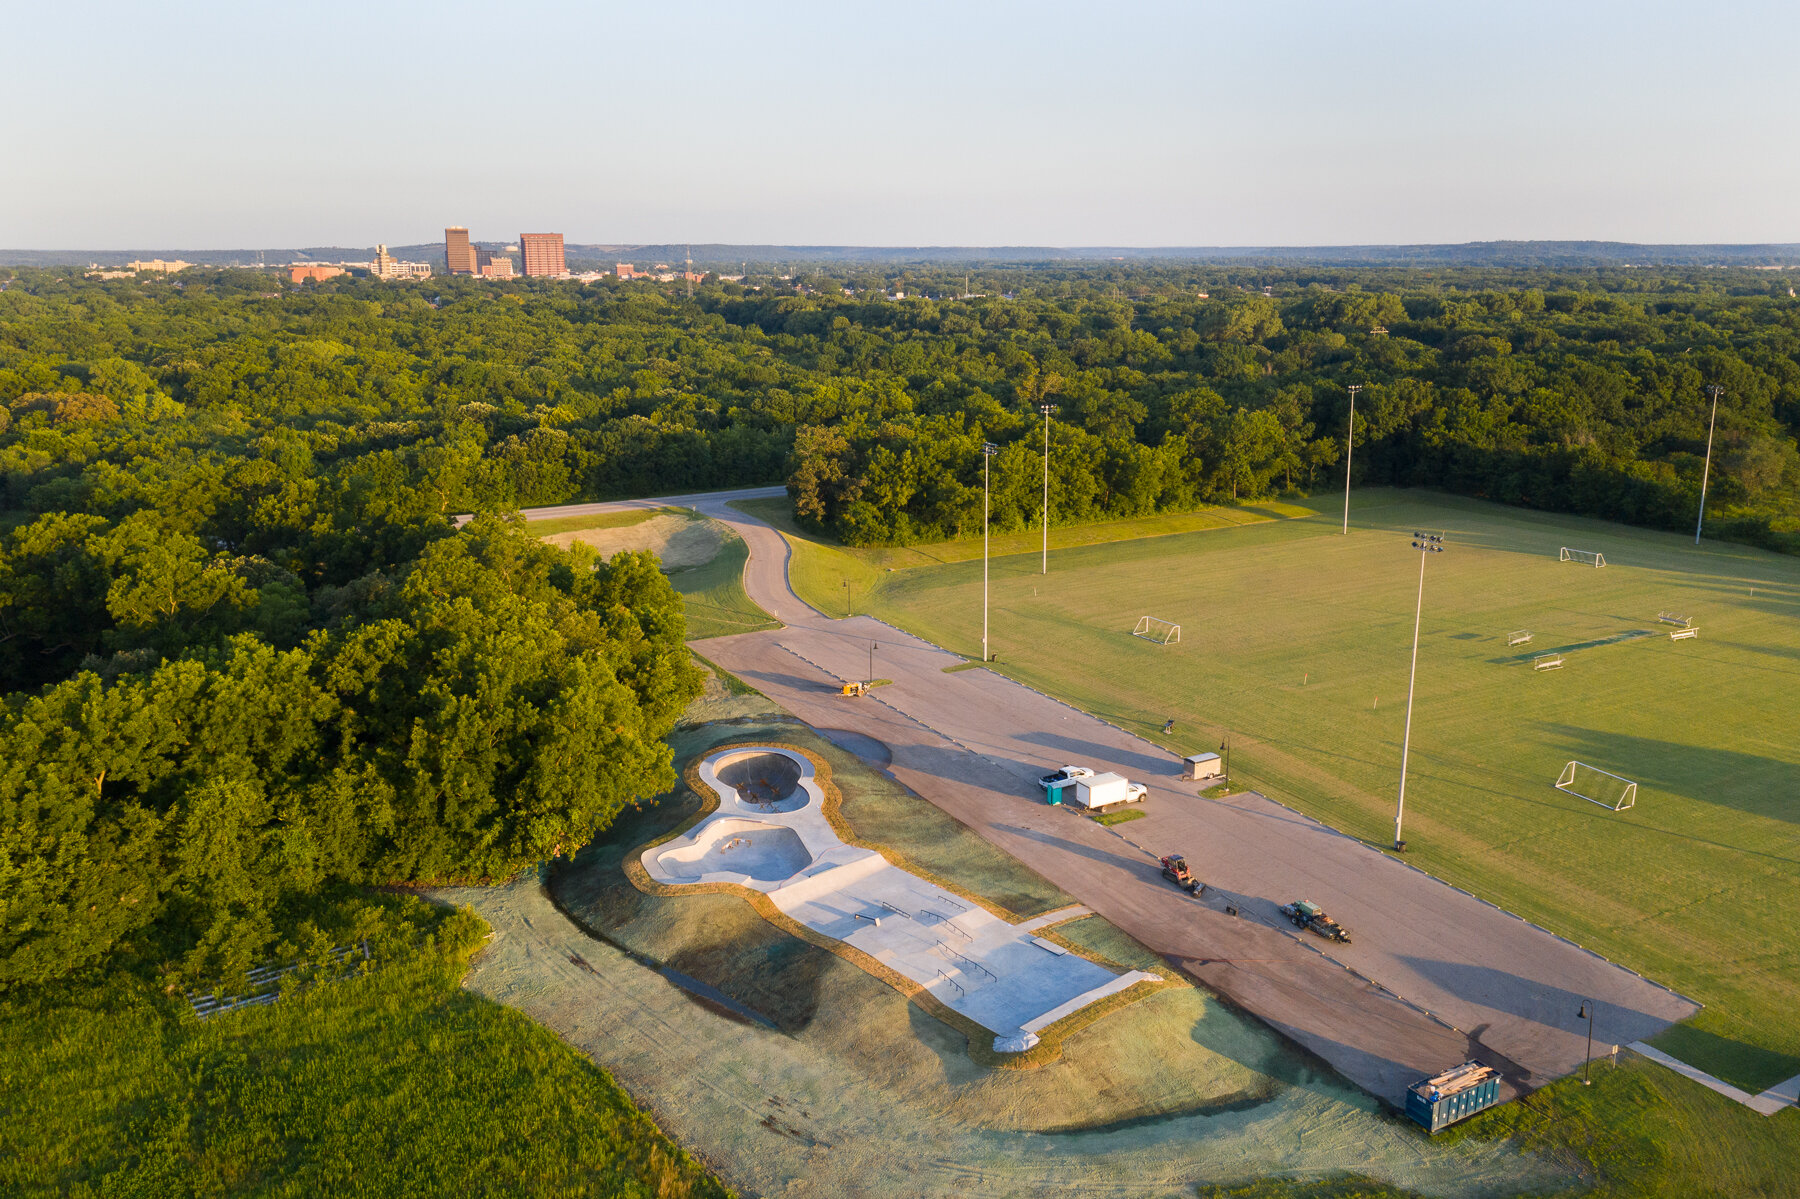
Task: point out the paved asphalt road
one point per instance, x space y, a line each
1434 975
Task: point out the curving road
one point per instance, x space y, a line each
1435 976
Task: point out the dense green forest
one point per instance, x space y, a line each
249 658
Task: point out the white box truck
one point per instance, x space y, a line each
1106 791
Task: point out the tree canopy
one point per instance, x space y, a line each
248 654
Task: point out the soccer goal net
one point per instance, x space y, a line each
1160 631
1585 557
1597 786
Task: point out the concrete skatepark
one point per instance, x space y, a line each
1435 975
770 833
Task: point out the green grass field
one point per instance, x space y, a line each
714 597
397 1082
1295 642
1639 1132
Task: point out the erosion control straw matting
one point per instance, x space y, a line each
819 1079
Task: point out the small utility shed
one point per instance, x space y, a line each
1201 766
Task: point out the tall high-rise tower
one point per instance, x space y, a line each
459 255
543 253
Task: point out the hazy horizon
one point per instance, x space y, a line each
213 127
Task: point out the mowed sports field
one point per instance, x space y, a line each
1295 641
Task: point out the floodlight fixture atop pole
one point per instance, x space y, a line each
1349 452
1715 391
1427 544
988 450
1046 409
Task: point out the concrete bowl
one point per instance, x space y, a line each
739 848
763 778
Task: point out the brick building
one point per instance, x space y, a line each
495 265
543 254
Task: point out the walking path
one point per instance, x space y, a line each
1435 975
1777 1098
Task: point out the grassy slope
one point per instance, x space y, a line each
714 597
1640 1131
820 568
1296 639
395 1083
600 520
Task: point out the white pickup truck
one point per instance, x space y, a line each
1067 774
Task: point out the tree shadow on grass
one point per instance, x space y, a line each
1746 1066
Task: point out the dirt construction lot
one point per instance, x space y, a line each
1434 975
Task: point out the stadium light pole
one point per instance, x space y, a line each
1349 452
1427 544
1715 391
988 450
1046 409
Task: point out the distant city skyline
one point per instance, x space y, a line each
946 125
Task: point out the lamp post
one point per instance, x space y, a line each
988 450
1715 391
1046 409
870 677
1349 452
846 599
1427 544
1587 1013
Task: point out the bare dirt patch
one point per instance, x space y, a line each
677 540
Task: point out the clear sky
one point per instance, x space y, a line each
1276 122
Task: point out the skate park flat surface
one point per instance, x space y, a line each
1434 976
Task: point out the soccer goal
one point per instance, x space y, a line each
1519 637
1163 632
1597 786
1585 557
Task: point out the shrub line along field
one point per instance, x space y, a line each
1295 646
